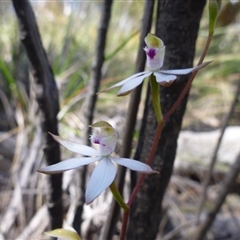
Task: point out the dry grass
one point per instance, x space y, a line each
23 192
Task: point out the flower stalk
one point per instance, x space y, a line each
116 194
156 98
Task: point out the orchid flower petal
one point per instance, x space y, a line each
125 80
164 78
102 176
133 165
76 147
130 85
178 71
186 70
66 165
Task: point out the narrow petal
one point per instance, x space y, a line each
164 77
133 165
102 176
130 85
76 147
178 71
66 165
184 71
124 81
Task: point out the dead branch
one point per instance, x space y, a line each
47 98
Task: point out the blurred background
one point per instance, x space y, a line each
68 30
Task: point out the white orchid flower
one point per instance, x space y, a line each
104 173
155 51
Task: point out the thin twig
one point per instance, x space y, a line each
21 177
214 157
188 85
141 179
176 230
38 224
149 160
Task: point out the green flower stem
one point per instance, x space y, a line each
118 197
156 98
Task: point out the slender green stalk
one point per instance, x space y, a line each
118 197
156 98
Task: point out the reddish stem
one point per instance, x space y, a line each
188 85
124 225
158 135
140 181
149 160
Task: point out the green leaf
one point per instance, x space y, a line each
63 234
213 8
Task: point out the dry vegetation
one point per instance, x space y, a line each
68 32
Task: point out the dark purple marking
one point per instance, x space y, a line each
96 141
152 53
